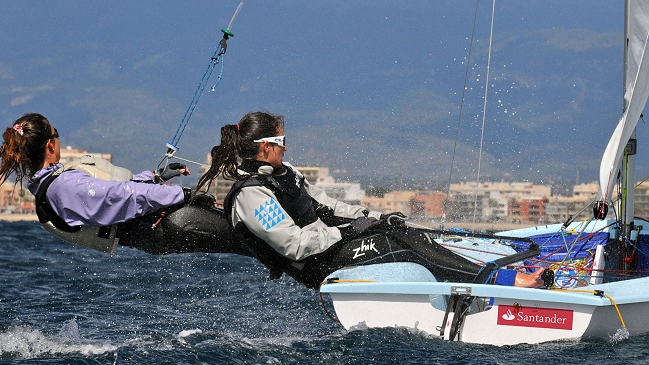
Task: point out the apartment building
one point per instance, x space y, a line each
642 200
394 201
498 201
516 190
68 154
350 193
429 204
220 186
483 202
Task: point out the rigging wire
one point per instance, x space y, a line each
459 119
190 161
484 108
569 246
217 58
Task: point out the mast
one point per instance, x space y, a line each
627 208
628 163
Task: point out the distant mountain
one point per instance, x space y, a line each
371 89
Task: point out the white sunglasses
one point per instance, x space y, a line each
279 140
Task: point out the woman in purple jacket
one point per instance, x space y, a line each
92 203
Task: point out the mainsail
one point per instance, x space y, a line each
635 96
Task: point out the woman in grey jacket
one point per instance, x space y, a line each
292 226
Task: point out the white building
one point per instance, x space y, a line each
515 190
350 193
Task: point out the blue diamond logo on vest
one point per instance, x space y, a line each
269 214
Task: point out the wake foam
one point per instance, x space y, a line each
20 342
621 334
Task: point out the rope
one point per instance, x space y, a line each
599 293
190 161
331 281
218 57
331 316
218 79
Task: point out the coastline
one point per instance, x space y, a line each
490 227
18 217
484 227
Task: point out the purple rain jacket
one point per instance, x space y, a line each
81 199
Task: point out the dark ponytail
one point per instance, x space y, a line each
23 149
237 142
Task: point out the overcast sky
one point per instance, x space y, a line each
371 89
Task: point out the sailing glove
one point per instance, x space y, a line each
357 227
168 172
394 218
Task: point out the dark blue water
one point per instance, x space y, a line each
60 304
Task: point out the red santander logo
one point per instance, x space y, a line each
535 317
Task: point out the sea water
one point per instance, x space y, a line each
60 304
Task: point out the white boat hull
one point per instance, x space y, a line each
402 295
516 315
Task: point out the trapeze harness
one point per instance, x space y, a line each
387 244
294 199
103 238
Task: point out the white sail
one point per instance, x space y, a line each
637 92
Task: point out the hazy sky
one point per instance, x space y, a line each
371 89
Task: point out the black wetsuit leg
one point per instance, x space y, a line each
395 245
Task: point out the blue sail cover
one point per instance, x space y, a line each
643 255
562 248
558 247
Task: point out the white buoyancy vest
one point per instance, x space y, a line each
103 239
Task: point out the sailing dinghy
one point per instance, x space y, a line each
595 291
